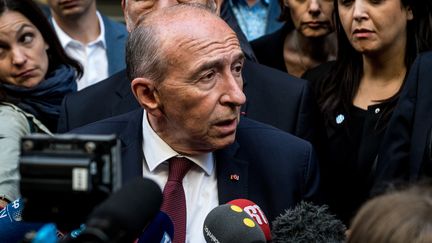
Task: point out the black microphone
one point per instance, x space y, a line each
308 223
229 223
124 215
161 229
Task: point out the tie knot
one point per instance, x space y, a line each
178 167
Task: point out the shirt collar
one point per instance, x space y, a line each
65 39
157 151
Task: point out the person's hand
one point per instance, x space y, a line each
3 203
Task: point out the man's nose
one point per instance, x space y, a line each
233 92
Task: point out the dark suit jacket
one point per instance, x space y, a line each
276 170
406 150
269 49
273 97
115 37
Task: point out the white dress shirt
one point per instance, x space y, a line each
92 56
200 183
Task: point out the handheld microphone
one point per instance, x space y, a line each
308 223
229 223
124 215
12 228
255 213
161 229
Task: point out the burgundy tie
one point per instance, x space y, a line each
174 201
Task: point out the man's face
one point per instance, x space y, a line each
201 96
133 9
70 8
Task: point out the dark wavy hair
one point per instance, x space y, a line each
56 54
285 15
336 90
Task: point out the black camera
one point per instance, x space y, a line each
64 176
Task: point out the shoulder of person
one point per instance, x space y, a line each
316 73
258 74
15 120
265 134
114 25
112 125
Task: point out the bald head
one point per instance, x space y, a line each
185 66
133 10
160 35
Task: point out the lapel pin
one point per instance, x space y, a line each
234 177
340 118
243 113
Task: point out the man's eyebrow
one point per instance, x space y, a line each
217 63
239 57
208 65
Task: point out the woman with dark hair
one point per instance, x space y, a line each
377 43
35 74
305 41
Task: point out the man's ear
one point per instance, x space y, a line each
123 5
146 94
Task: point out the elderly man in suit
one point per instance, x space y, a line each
190 123
273 97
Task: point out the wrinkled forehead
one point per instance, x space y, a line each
204 35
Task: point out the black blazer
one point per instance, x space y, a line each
407 148
276 170
269 49
272 97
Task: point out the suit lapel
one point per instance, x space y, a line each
232 174
132 153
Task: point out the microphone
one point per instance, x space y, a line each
308 223
229 223
12 228
161 229
255 213
124 215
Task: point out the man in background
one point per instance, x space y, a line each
92 39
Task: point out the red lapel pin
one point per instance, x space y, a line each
234 177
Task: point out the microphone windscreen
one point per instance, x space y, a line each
255 213
161 229
124 215
12 229
229 223
308 223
